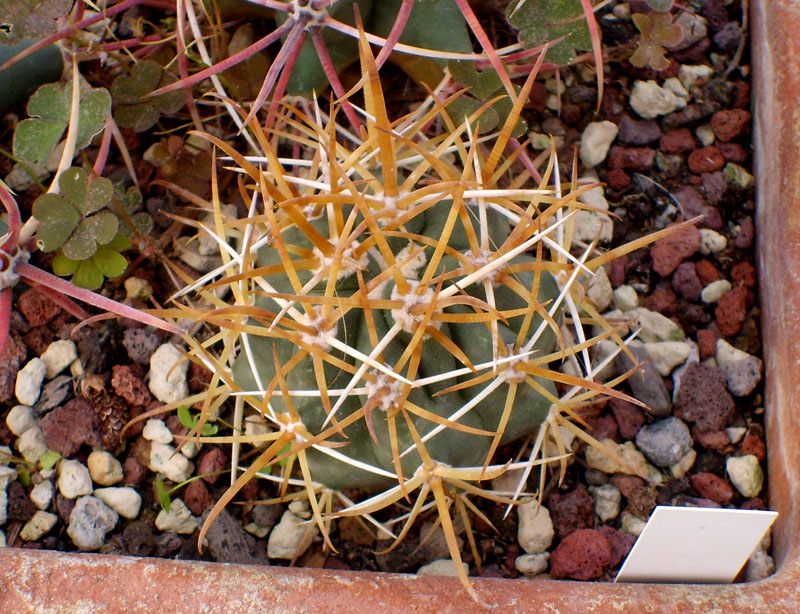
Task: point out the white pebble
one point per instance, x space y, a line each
31 444
598 289
666 355
3 507
58 356
28 386
745 474
289 538
650 100
655 326
89 522
104 468
633 461
441 567
595 142
705 134
2 539
156 430
122 499
674 85
735 433
20 419
42 494
74 480
690 74
38 526
191 449
535 532
626 298
686 462
714 291
168 381
607 500
711 242
532 564
178 520
631 524
163 459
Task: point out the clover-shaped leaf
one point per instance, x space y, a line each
71 221
542 21
90 273
49 110
658 32
33 19
137 111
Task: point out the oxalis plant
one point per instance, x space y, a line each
400 304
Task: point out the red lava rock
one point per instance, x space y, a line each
64 507
582 555
621 543
662 300
706 160
707 272
753 444
571 511
626 483
741 95
744 274
199 377
14 353
731 311
686 282
133 471
19 508
618 179
616 271
629 417
730 123
707 343
712 487
669 252
732 152
68 427
677 141
703 398
197 498
603 427
715 185
537 99
744 238
756 503
128 386
38 338
638 131
210 462
642 501
37 308
140 450
711 440
631 158
249 491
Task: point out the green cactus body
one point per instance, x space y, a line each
449 446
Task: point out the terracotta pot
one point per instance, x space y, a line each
41 581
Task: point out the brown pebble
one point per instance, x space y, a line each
582 555
669 252
731 311
631 158
707 343
37 308
677 141
730 123
712 487
707 272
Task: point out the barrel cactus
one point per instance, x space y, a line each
398 302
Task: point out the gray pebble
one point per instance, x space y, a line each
664 442
89 522
646 384
227 541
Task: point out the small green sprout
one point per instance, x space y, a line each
189 421
658 32
49 459
137 111
77 224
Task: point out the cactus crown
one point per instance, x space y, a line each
398 300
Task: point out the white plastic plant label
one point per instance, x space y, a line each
695 545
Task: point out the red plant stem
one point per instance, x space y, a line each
14 220
34 274
284 61
63 33
594 33
333 77
486 44
217 68
397 30
130 42
5 316
526 161
102 154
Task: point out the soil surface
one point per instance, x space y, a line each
662 169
